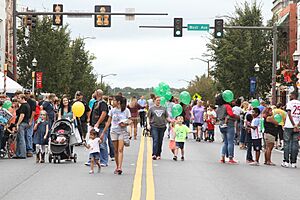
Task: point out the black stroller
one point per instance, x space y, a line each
60 135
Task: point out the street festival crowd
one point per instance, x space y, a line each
106 124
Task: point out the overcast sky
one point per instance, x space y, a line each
145 57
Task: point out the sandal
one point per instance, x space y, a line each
120 172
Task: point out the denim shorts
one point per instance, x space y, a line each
180 145
95 155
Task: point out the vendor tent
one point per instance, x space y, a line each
11 85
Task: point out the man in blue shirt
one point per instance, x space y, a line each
142 102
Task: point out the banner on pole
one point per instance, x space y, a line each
39 80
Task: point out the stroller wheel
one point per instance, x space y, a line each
58 159
75 158
50 158
54 159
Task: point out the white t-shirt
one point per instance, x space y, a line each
237 110
94 145
255 133
117 116
143 103
294 107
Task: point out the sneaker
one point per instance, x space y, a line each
87 164
103 165
182 158
232 162
250 161
175 158
254 163
153 157
222 161
91 172
293 165
285 164
112 159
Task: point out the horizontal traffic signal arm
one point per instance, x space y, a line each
85 13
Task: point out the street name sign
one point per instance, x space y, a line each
198 27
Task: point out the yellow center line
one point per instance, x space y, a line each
150 192
137 184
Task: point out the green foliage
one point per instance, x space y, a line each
204 86
66 66
238 52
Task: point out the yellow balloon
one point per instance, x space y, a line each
78 109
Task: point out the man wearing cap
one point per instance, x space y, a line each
85 118
29 130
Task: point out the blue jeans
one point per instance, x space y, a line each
28 138
291 145
243 136
228 146
110 145
157 136
103 149
21 144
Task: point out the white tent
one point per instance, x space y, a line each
11 85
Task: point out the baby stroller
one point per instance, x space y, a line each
10 146
146 131
59 142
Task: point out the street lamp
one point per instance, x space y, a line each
256 67
34 64
103 76
207 61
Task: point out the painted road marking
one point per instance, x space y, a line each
150 191
137 183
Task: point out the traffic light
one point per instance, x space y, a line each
102 20
219 28
57 19
33 21
178 27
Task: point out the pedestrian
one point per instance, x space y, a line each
134 107
172 143
65 110
94 150
157 118
187 114
279 139
181 131
244 106
248 138
197 114
224 112
109 101
119 117
237 110
98 119
256 135
48 106
29 130
23 118
41 136
270 130
150 102
84 119
142 112
291 132
211 119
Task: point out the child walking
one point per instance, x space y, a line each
93 146
256 135
40 138
181 131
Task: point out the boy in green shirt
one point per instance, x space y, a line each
181 132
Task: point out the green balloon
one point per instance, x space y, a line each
255 103
163 101
168 95
7 104
176 110
185 97
164 87
228 96
157 91
278 118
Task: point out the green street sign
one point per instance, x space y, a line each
198 27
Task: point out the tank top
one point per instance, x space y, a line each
270 128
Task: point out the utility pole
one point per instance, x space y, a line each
15 39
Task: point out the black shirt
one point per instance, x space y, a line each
32 104
25 109
270 128
98 108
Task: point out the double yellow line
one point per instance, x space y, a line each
137 184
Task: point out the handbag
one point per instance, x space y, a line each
126 139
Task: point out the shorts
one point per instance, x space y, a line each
270 139
180 145
197 124
95 155
116 136
257 146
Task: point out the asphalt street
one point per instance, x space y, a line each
200 176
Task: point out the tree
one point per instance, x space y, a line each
239 51
66 68
204 86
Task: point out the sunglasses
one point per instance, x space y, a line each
43 114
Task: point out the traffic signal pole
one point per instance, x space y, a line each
266 28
